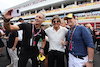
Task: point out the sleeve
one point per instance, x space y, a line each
22 26
43 34
1 31
87 38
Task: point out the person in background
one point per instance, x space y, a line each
89 27
42 26
63 24
11 47
1 42
46 48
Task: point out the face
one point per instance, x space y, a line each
71 22
56 23
63 24
39 19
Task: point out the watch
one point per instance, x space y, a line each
90 61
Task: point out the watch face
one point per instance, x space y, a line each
90 61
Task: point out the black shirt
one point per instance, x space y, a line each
27 34
11 38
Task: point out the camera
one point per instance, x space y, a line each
15 13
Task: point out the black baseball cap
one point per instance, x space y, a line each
20 19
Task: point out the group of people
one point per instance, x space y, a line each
76 42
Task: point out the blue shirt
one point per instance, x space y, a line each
80 41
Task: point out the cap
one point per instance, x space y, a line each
69 16
20 19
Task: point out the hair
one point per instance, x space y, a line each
56 17
43 15
89 25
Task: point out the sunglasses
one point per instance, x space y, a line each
56 21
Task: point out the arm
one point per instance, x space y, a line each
6 24
0 34
43 45
9 27
90 53
90 46
15 43
90 57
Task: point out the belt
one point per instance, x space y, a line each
80 57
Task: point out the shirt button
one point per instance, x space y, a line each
73 52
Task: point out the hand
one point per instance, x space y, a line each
7 15
13 48
63 42
41 51
87 64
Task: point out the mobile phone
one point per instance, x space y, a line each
15 13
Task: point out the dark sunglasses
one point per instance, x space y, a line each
56 21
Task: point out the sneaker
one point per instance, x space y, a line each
10 65
98 52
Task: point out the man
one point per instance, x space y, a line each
1 42
56 49
12 50
81 45
31 34
63 23
20 33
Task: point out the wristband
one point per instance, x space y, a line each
6 20
42 48
14 46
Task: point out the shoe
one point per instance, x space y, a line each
10 65
98 52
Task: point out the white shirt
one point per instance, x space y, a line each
20 32
1 31
55 38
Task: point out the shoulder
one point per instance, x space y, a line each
25 24
63 28
80 26
48 29
17 23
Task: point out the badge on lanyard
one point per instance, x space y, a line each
32 40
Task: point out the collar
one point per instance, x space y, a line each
54 29
73 27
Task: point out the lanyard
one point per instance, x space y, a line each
33 35
33 32
71 35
